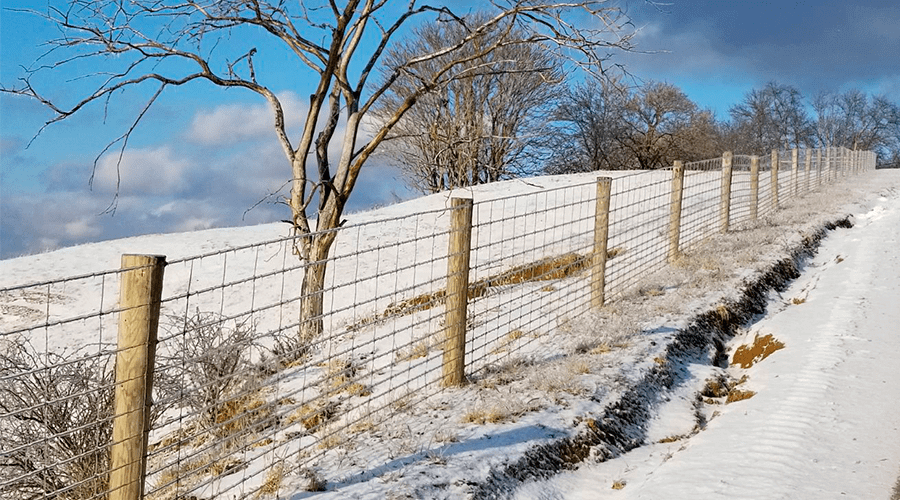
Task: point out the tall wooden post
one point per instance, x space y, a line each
601 242
795 163
725 203
675 210
453 370
140 294
807 164
819 167
754 187
775 166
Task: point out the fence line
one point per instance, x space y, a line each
241 407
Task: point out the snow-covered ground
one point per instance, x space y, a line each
825 420
567 369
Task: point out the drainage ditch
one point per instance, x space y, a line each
622 427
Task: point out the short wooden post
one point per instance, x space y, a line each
775 166
725 202
601 242
795 163
457 291
807 168
754 187
675 211
139 300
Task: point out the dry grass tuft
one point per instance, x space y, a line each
362 426
507 340
331 441
340 377
273 481
618 485
492 416
739 395
715 388
446 436
723 312
313 416
579 367
242 415
418 350
174 480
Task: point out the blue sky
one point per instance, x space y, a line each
203 156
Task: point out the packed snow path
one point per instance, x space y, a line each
825 422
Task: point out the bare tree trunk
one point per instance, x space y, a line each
313 288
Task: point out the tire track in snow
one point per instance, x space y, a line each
775 449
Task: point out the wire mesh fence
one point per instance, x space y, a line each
242 406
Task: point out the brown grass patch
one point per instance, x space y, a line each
739 395
618 485
748 355
418 350
189 473
493 416
543 270
273 480
715 388
243 414
313 416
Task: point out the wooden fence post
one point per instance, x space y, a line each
795 163
675 210
819 167
725 203
140 293
806 167
775 166
457 291
754 187
601 241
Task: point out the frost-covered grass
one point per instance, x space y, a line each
365 412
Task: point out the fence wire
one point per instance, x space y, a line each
243 406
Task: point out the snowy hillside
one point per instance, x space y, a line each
542 367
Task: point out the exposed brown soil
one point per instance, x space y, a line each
748 355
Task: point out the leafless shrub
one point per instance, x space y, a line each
55 424
212 368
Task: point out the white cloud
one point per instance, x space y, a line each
154 171
83 228
195 224
230 123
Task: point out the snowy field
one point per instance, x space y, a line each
543 364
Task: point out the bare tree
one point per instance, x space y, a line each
607 126
856 121
172 43
588 122
656 118
485 124
771 118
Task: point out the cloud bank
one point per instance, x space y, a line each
227 170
